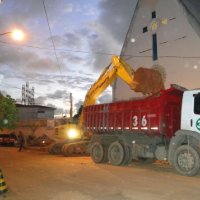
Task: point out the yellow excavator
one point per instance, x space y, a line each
144 80
148 81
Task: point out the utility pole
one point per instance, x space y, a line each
71 106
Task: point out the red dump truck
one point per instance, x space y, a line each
165 127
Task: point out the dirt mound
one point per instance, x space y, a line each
148 81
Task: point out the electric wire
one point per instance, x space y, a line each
57 49
99 53
51 36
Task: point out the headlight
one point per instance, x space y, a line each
72 133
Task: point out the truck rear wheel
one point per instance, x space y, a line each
97 153
116 153
127 155
186 160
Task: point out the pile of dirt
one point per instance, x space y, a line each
148 81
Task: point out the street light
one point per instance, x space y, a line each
16 34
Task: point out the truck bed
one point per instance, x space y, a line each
155 115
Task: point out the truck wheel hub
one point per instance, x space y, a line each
97 152
115 153
186 161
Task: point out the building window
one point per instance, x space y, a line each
154 46
145 29
153 14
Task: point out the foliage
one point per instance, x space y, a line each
8 113
76 116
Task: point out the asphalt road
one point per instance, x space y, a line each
35 175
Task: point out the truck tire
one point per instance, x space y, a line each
128 155
116 153
186 160
97 153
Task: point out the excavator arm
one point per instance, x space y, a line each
146 81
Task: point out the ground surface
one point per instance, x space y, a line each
35 175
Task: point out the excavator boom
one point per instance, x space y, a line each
144 80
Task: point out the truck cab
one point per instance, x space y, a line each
190 112
184 148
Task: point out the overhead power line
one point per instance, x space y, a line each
54 48
98 53
58 49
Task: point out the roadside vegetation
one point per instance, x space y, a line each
8 113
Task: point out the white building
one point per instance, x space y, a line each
167 33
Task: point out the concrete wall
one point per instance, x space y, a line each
36 127
27 113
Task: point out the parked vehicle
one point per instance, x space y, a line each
165 127
8 139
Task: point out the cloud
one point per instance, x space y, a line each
43 64
73 40
26 60
116 16
40 100
59 111
14 13
105 98
68 8
109 30
104 44
44 81
69 40
58 94
32 9
15 57
51 105
1 77
73 58
75 81
86 9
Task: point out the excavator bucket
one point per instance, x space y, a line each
148 81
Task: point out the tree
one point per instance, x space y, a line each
76 116
8 113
